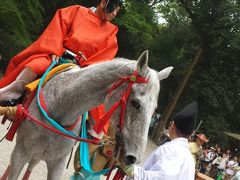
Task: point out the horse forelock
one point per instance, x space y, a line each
151 89
153 85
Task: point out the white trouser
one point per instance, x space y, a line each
96 135
17 87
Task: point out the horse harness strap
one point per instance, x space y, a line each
22 112
134 78
20 116
44 106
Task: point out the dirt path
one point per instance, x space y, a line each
40 171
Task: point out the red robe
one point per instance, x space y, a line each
75 28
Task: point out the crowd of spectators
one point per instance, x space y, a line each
220 164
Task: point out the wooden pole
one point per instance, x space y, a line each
158 131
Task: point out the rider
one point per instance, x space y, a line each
86 32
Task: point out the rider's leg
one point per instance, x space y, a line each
17 87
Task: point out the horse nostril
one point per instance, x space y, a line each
130 160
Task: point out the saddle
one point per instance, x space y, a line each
30 92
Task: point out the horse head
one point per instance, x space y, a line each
140 107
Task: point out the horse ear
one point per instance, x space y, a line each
142 62
163 74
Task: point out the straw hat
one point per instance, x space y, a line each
237 168
202 137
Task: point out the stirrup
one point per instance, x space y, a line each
11 102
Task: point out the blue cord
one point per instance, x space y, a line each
53 122
84 150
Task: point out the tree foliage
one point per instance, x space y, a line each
20 23
216 80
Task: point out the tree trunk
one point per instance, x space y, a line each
158 130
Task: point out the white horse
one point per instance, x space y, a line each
73 92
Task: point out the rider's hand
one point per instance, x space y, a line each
55 57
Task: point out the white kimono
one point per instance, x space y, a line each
170 161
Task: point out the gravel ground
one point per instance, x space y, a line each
40 171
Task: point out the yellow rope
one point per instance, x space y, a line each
60 68
8 111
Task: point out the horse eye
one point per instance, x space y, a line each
135 104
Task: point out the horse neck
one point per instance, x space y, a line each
88 88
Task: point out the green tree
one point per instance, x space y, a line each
20 23
137 24
213 25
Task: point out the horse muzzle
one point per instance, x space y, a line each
130 160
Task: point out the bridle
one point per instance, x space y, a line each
122 103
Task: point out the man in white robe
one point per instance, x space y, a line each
172 160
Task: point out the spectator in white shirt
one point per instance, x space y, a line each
231 165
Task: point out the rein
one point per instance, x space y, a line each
134 78
22 113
